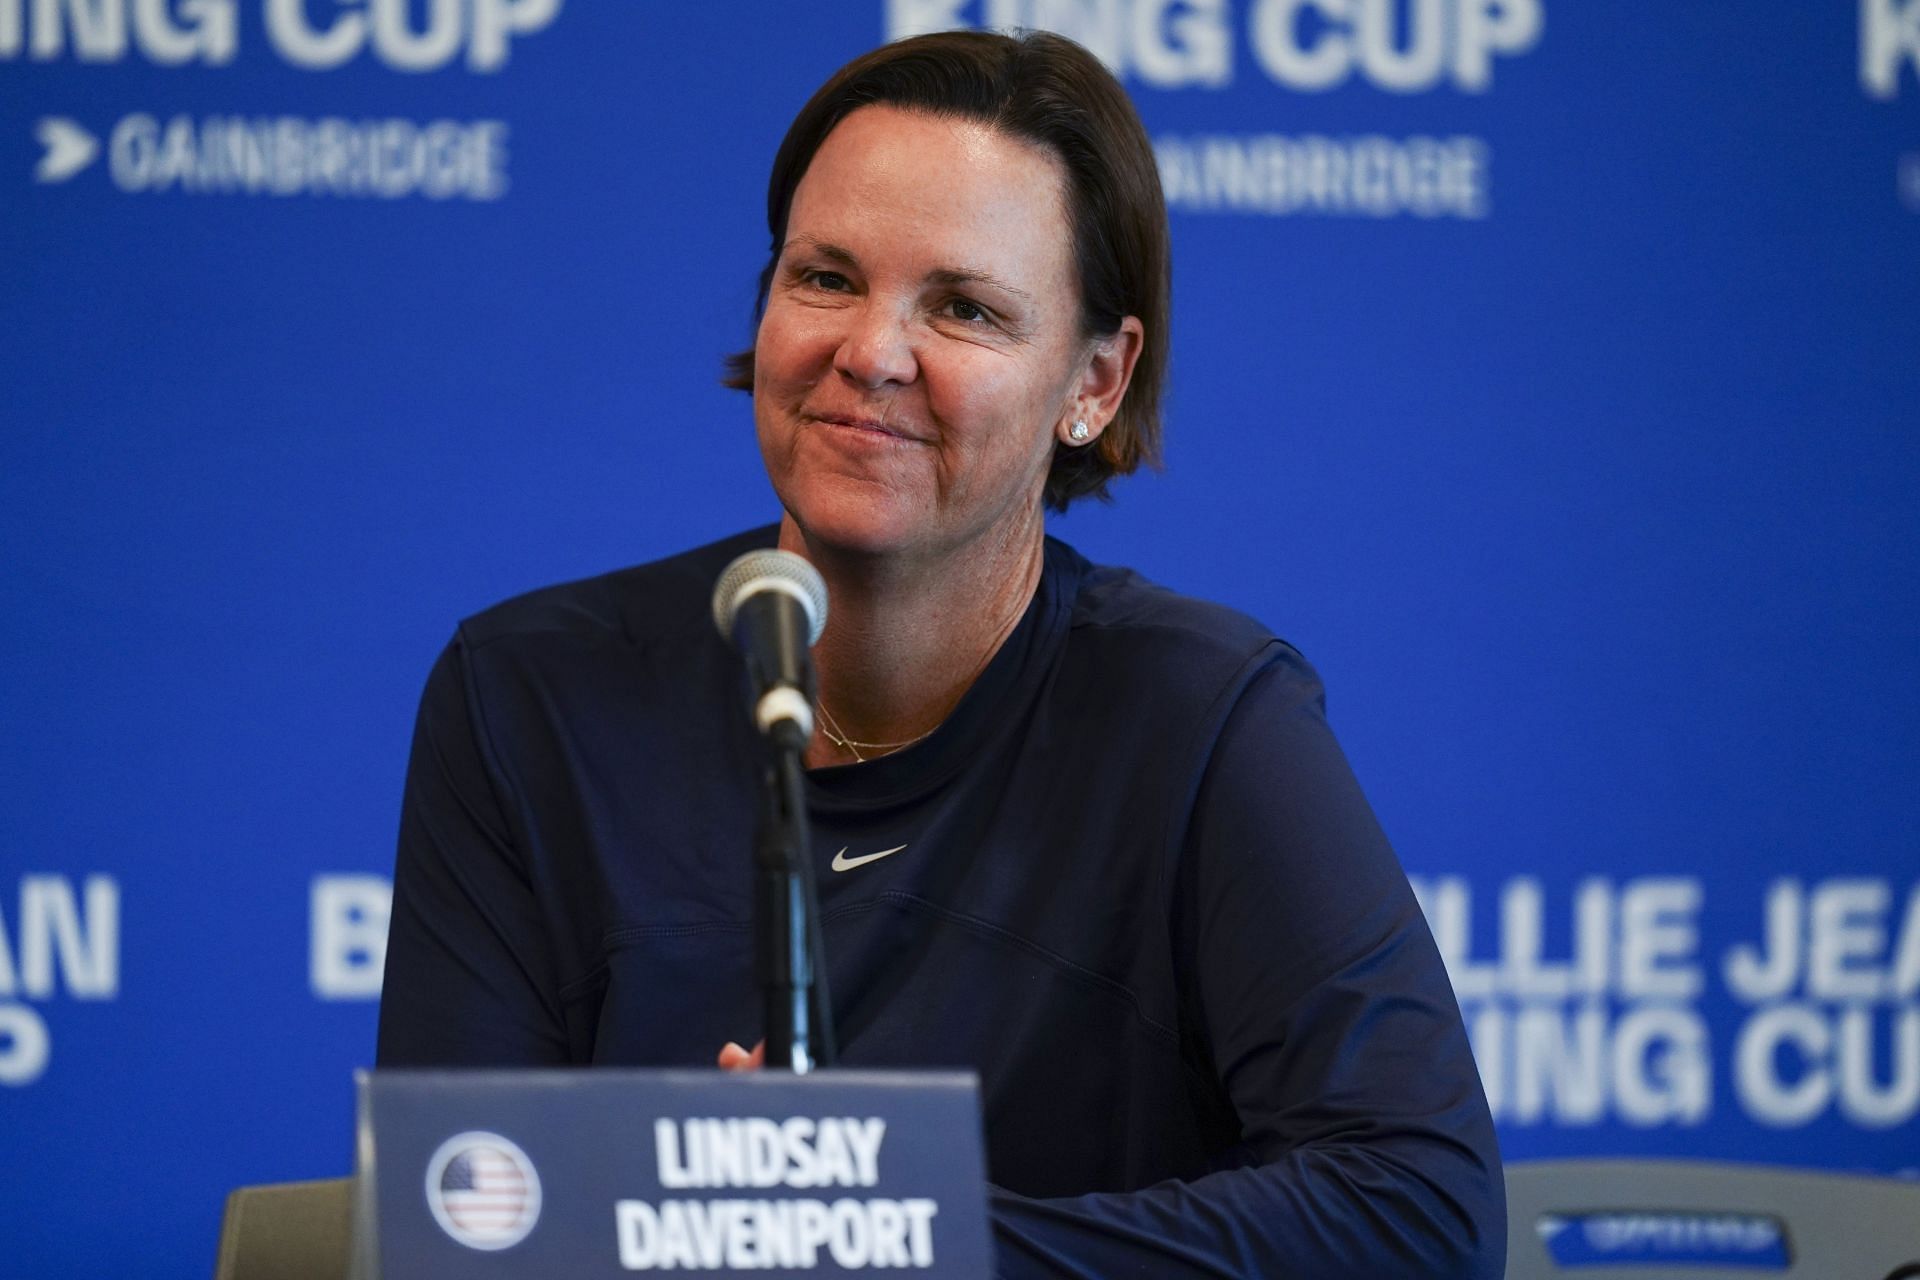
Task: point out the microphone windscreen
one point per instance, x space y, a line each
769 570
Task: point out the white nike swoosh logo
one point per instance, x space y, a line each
841 862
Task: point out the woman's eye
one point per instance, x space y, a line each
832 281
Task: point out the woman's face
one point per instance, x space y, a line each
920 345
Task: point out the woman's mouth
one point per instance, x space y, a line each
859 424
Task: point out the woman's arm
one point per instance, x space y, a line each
468 978
1328 1018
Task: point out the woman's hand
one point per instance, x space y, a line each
734 1058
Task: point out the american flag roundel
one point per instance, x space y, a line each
483 1190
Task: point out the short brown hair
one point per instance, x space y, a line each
1047 90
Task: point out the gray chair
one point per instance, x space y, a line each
1837 1226
287 1231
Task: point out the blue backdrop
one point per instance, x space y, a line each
1548 371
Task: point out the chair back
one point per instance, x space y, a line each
1686 1220
287 1231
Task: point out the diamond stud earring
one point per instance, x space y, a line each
1078 430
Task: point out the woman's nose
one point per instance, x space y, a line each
877 349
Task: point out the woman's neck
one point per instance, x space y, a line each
904 642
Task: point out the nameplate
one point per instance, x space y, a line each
607 1173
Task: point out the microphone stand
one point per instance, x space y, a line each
799 1025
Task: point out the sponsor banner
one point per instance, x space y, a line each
1545 371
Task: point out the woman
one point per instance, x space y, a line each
1080 834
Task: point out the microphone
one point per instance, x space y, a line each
772 607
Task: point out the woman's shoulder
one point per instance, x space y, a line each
1119 608
662 600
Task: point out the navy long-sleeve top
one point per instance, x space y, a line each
1131 882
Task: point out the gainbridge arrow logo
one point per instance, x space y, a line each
69 149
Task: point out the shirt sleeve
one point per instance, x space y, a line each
469 973
1312 980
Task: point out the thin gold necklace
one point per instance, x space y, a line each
831 727
838 738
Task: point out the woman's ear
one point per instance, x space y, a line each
1103 383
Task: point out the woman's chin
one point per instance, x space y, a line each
859 528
